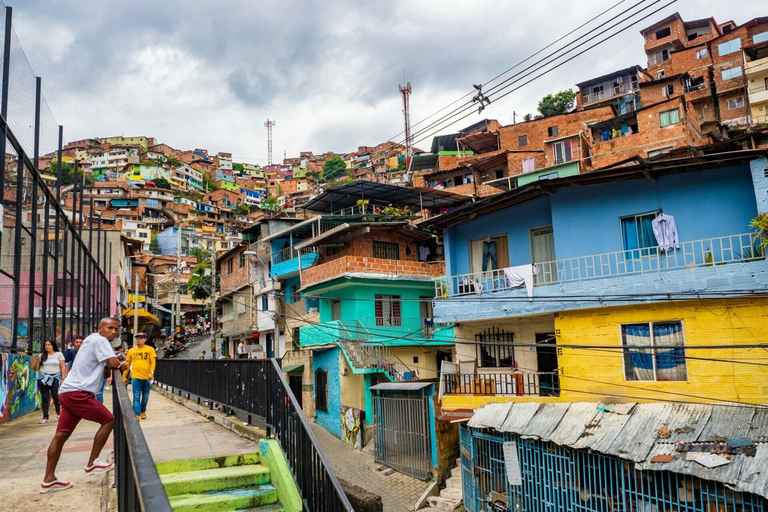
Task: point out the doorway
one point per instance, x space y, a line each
546 358
294 382
543 255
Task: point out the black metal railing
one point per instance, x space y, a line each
139 488
502 384
258 388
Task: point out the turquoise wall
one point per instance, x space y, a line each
328 360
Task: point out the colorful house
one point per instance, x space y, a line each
639 284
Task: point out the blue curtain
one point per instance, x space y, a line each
637 235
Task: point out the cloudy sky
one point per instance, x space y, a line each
208 74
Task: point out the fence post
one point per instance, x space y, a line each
4 97
17 253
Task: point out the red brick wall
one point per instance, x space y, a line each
677 31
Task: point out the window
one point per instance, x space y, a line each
759 38
660 151
242 259
660 74
321 390
529 164
552 131
296 337
388 309
522 140
142 235
229 265
732 73
562 151
665 32
727 47
495 349
386 250
668 90
489 253
669 117
654 351
734 103
701 54
637 235
265 302
499 174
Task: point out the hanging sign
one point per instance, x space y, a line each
512 463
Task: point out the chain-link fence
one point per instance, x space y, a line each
53 284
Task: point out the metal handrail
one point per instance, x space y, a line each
502 384
648 260
259 389
138 484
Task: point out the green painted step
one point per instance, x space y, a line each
218 479
276 507
230 499
179 466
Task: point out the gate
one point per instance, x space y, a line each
401 434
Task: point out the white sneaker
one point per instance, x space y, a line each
44 420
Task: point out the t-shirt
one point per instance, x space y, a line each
51 365
87 371
142 361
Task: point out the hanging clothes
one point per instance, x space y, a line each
521 275
665 230
489 255
423 252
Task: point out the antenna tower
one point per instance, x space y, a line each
269 124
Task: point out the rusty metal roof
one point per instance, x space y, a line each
630 431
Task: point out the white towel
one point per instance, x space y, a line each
521 275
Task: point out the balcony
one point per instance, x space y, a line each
542 384
758 120
285 262
424 271
755 66
657 59
650 261
607 94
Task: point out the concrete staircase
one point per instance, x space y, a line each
236 482
451 496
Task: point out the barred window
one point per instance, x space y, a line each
495 348
386 250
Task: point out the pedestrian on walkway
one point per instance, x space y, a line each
142 359
53 370
69 353
202 356
78 344
78 401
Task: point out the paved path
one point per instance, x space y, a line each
398 491
172 432
195 348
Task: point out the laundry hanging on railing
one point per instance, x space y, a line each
521 275
665 230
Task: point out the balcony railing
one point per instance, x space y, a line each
609 93
696 87
391 328
657 59
649 260
760 88
754 120
290 253
502 384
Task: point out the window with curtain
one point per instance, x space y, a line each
489 253
637 235
654 351
388 310
669 117
562 151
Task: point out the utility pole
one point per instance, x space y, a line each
177 302
135 303
406 90
214 316
269 124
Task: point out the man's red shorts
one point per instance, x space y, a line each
78 405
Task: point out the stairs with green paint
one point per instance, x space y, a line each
219 484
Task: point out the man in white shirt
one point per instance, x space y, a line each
241 350
77 396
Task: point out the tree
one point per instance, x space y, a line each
162 183
243 209
200 254
237 167
200 284
334 167
271 203
209 185
154 247
560 103
67 171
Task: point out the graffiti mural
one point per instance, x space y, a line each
18 387
352 426
6 326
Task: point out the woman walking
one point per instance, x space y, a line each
53 370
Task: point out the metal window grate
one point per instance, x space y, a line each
386 250
494 348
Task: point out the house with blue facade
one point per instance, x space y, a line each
637 285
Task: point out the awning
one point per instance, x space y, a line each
293 368
400 386
144 316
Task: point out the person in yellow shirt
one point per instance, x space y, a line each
141 359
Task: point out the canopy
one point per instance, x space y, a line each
144 316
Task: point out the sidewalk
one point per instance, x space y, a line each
398 492
172 432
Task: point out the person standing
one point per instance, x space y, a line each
78 344
52 369
77 396
142 359
69 353
241 350
202 356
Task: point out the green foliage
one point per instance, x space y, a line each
560 103
237 167
201 255
200 285
243 209
334 167
162 183
153 245
67 171
209 185
270 204
760 225
527 117
174 161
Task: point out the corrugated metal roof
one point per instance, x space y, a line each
630 431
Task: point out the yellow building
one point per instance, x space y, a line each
142 142
756 71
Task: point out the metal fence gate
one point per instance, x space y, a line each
401 434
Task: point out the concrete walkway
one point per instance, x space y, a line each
398 492
172 432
